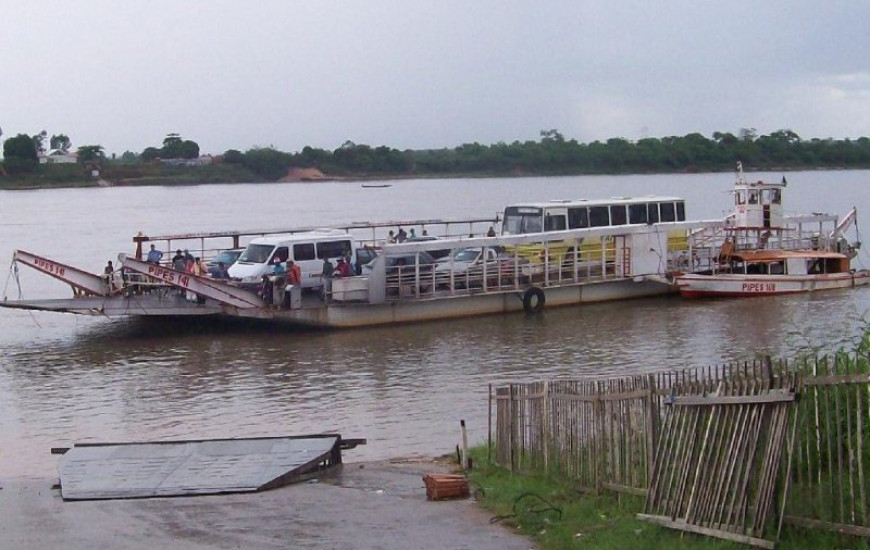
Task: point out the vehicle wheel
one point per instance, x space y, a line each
534 300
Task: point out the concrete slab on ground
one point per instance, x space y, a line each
378 505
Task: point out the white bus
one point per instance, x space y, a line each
560 215
539 217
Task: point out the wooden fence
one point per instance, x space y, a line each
603 434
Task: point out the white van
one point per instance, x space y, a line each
307 249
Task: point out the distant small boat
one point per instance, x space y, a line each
375 185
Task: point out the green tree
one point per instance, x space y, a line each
91 153
188 149
20 154
233 156
129 157
61 142
267 162
171 146
150 153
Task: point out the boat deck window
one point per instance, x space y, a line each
554 222
599 216
637 213
617 215
578 218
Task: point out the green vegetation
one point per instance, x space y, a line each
557 516
552 154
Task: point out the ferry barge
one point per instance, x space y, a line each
557 253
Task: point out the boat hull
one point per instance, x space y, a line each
747 286
314 313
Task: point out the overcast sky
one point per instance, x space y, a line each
417 74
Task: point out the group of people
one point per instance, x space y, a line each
401 236
188 263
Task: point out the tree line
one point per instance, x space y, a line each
551 154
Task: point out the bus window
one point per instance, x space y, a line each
554 222
599 216
681 211
637 213
617 214
652 212
333 249
303 251
578 218
667 210
281 254
519 220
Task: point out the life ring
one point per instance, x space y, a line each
533 300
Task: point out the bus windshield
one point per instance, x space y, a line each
519 220
256 253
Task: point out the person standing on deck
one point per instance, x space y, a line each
154 255
295 274
326 276
178 261
342 269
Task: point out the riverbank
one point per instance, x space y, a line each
558 516
71 176
366 505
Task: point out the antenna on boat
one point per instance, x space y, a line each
740 179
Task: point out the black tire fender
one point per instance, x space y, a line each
534 300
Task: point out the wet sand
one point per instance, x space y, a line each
375 505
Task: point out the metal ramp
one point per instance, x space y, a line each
94 471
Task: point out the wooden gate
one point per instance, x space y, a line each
719 458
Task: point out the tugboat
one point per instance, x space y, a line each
762 256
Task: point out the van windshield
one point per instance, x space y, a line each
256 253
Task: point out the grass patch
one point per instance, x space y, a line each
558 516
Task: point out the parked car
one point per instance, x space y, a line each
404 263
402 271
227 257
467 267
437 254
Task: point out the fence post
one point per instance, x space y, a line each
511 438
652 411
489 428
600 437
545 419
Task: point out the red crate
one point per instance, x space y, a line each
445 486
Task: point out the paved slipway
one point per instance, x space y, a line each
379 505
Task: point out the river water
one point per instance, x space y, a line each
66 379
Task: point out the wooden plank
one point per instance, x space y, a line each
695 400
638 491
837 380
857 530
688 527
